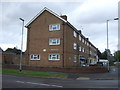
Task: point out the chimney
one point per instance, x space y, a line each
79 31
87 39
64 17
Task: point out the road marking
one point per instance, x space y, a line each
45 84
32 83
39 84
20 81
56 86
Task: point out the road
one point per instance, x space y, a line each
12 81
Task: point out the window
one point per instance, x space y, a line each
75 34
75 46
75 58
83 40
34 57
87 44
54 27
54 57
90 52
87 51
80 38
54 41
80 48
83 49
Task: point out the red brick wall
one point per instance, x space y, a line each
91 69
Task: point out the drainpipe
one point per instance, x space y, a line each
28 41
63 43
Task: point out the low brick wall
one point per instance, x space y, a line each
92 69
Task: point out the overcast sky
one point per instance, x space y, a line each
88 15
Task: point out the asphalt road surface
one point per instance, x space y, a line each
11 81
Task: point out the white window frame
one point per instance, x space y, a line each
80 48
56 56
54 27
83 40
80 38
54 41
87 44
90 52
34 57
75 58
75 46
74 34
83 49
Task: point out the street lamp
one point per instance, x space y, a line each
107 38
20 68
116 18
107 29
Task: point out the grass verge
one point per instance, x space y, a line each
34 73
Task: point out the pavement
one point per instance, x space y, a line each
111 75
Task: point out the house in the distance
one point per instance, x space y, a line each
53 42
11 56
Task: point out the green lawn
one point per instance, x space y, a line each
33 73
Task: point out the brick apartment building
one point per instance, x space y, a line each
53 42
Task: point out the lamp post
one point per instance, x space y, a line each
107 33
20 68
108 39
107 29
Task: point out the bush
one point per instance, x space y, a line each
111 62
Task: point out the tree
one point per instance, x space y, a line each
14 50
117 55
104 55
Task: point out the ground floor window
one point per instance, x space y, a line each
34 57
54 56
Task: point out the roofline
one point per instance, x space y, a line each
41 13
80 34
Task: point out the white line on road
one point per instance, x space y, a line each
39 84
56 86
20 81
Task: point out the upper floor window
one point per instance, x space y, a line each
90 52
80 37
54 27
75 34
54 41
80 48
34 57
83 40
83 49
87 44
75 46
54 56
